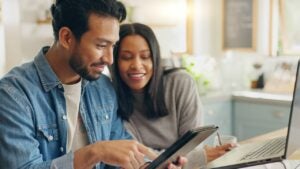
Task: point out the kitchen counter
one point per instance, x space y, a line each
262 97
247 95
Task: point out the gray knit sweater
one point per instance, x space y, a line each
185 110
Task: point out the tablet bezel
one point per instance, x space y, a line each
191 139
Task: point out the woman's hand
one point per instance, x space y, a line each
177 165
215 152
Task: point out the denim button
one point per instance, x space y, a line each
50 138
64 117
106 117
61 149
60 86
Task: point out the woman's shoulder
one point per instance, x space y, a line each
176 74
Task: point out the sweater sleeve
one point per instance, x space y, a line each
189 112
186 100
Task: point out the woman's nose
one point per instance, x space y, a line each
136 64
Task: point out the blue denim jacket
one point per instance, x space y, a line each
33 125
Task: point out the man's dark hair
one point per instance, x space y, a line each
74 14
154 91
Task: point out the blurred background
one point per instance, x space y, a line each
242 53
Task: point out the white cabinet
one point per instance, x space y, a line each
254 117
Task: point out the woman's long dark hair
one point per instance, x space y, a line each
154 91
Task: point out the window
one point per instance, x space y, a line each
284 28
289 27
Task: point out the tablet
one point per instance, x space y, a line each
182 146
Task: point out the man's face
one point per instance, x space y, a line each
95 49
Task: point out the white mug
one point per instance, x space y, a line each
224 139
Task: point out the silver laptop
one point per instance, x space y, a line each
272 150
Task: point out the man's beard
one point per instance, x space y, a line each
75 63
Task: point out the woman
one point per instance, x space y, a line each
158 105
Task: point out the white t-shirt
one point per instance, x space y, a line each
77 136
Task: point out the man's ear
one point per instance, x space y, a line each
66 37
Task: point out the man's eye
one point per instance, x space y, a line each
101 46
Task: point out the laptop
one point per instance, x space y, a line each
268 151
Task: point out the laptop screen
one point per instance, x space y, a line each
293 139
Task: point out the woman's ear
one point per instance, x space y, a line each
66 37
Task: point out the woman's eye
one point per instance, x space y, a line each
125 57
145 56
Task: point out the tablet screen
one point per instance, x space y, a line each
182 146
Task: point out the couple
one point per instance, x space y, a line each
59 111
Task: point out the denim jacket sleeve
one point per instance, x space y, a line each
19 148
118 130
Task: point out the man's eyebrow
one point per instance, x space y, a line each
143 51
104 40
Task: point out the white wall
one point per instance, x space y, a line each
171 39
23 37
167 19
263 21
208 29
11 23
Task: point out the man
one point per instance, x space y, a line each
58 111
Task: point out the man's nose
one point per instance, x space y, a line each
108 57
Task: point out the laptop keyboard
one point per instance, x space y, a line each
270 148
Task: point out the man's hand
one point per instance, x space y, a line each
128 154
215 152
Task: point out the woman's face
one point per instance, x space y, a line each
134 62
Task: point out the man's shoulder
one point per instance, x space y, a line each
19 74
19 82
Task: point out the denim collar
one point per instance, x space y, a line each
48 78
